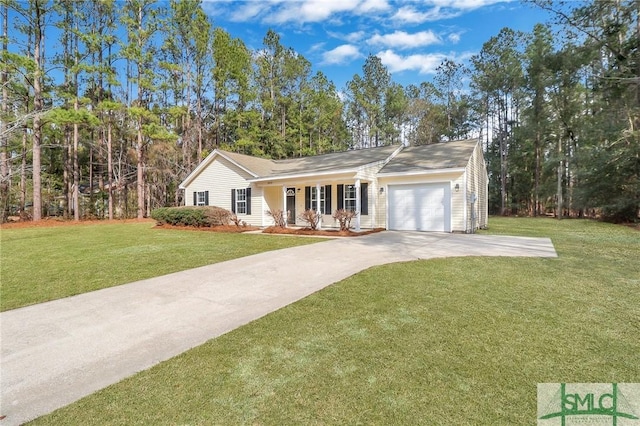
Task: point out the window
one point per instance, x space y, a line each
201 198
241 201
347 198
322 199
350 197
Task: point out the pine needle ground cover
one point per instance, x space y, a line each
445 341
46 263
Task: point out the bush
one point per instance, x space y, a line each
237 221
192 216
310 217
278 218
344 218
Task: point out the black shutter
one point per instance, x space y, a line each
248 192
340 197
195 198
233 200
206 198
307 197
364 199
327 199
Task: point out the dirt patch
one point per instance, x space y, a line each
319 233
51 222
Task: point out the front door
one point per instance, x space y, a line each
291 206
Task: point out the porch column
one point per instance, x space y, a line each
284 205
358 204
318 205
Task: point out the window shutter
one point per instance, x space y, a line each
340 197
206 198
307 197
233 200
248 200
327 199
195 198
364 199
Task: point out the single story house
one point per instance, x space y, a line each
439 187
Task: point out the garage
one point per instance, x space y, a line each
420 207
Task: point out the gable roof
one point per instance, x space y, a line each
336 162
438 156
416 159
266 169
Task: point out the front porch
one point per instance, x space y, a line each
295 197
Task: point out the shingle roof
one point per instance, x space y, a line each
338 161
444 155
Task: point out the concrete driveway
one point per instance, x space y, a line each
54 353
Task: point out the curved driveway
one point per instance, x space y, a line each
55 353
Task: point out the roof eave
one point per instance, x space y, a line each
209 158
205 163
421 172
302 175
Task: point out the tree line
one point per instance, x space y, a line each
136 93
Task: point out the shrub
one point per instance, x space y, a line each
344 218
218 215
278 217
235 220
192 216
310 217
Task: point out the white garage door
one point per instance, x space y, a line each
420 207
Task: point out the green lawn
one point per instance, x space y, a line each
446 341
40 264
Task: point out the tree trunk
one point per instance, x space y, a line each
140 170
37 107
110 168
559 188
4 138
67 174
536 189
76 168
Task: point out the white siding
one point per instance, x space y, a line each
457 204
476 184
219 177
368 175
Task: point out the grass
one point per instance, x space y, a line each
444 341
45 263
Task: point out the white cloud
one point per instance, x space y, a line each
353 37
248 11
409 15
422 63
341 54
404 40
317 46
454 37
465 4
310 10
302 11
374 6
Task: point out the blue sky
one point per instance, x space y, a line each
412 37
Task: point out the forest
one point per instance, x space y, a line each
137 92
